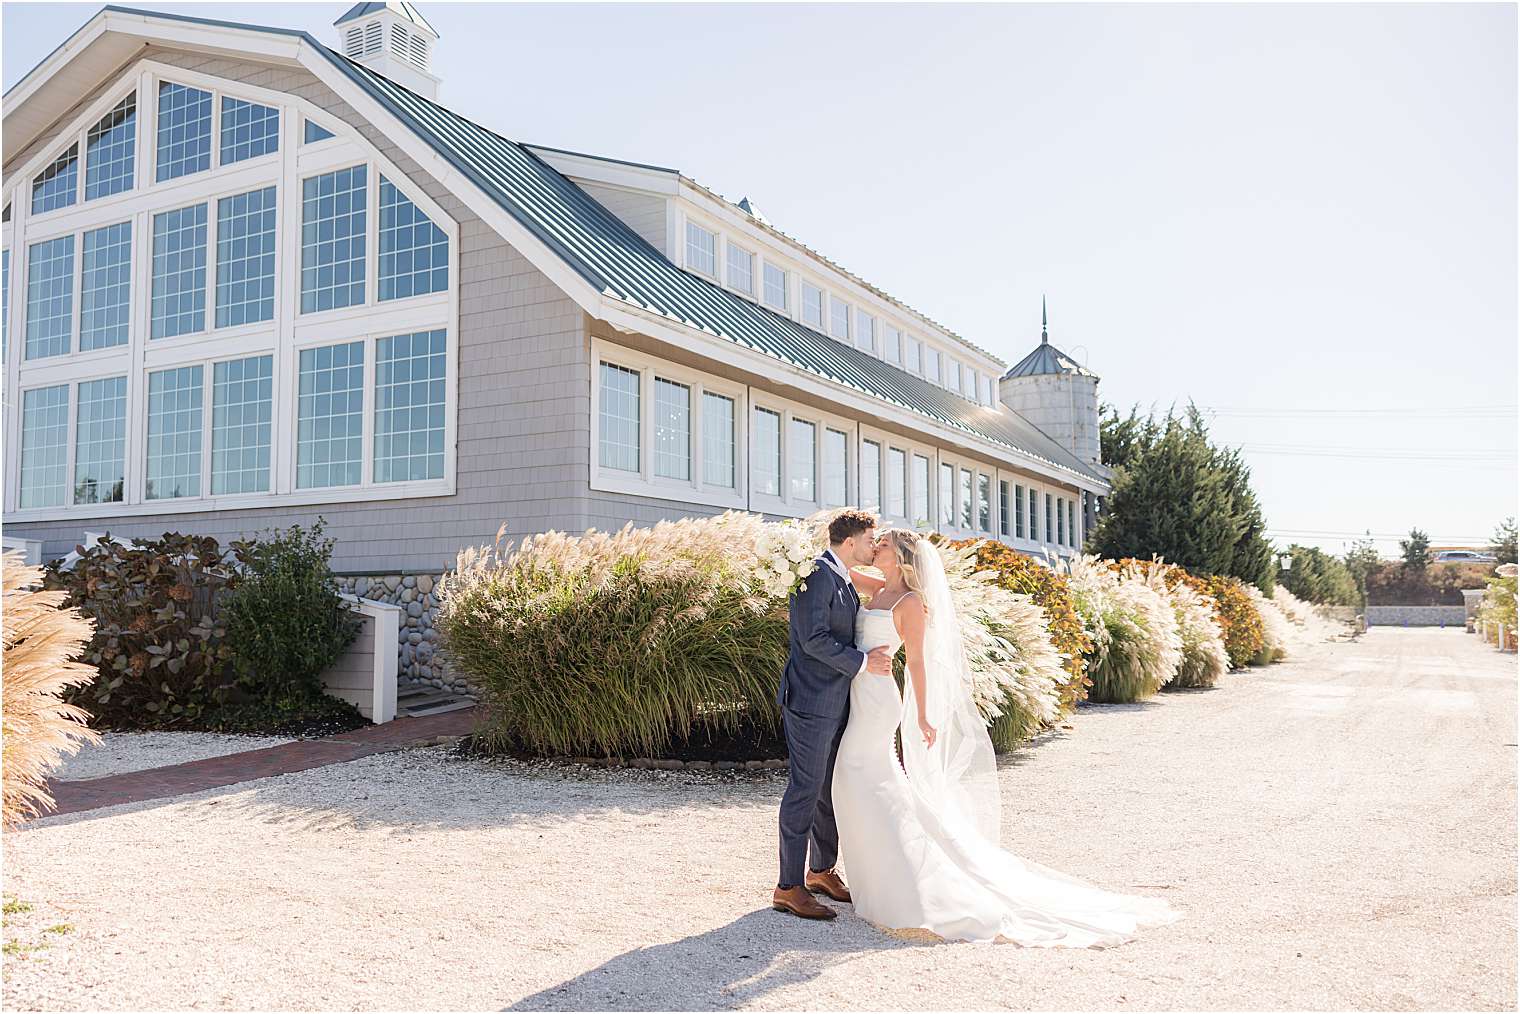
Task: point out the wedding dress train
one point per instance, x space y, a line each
915 863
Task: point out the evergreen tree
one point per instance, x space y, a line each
1178 496
1361 560
1316 576
1416 550
1503 545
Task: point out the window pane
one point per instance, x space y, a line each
105 290
775 286
242 397
931 364
920 490
968 507
946 495
767 452
1071 524
812 306
701 249
45 446
897 482
56 186
741 269
414 253
248 130
1050 524
913 360
245 251
179 272
184 130
870 475
333 209
717 440
1061 520
409 405
313 132
969 383
891 344
174 433
987 392
672 429
1018 511
330 416
952 373
803 458
100 441
865 332
109 148
983 503
1034 514
49 297
1004 521
836 468
620 418
839 318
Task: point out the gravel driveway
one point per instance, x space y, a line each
1340 831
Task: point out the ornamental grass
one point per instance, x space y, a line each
1137 647
1018 678
1204 658
1241 623
617 644
1276 629
42 641
1051 591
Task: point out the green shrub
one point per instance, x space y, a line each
617 644
286 623
1244 638
159 646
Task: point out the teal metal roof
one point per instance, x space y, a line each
614 259
1046 358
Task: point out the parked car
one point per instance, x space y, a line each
1463 556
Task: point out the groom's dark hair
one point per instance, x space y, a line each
848 523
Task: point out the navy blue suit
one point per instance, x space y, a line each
814 697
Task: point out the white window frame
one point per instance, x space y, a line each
282 337
786 505
835 302
688 223
896 441
645 483
730 248
786 289
863 323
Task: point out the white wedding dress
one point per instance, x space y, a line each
915 864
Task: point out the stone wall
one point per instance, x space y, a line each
420 660
1416 616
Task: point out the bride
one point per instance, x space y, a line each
921 845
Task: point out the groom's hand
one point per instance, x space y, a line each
879 661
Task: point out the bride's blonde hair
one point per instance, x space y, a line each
906 546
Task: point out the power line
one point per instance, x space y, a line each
1451 412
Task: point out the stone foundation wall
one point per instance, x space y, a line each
420 660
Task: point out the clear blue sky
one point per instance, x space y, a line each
1303 216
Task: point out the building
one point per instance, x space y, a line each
257 280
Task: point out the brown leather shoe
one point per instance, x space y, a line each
829 883
798 901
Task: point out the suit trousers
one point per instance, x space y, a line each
807 806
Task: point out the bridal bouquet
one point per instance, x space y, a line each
787 555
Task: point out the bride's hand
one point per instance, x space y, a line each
928 731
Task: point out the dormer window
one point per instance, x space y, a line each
839 318
865 331
741 270
775 287
812 306
701 250
891 344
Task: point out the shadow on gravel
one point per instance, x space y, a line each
725 968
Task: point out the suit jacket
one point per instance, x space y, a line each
823 659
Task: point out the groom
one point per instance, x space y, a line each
815 701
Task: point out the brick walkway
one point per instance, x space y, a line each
193 776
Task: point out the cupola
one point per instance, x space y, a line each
392 39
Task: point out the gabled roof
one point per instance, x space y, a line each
621 265
406 11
